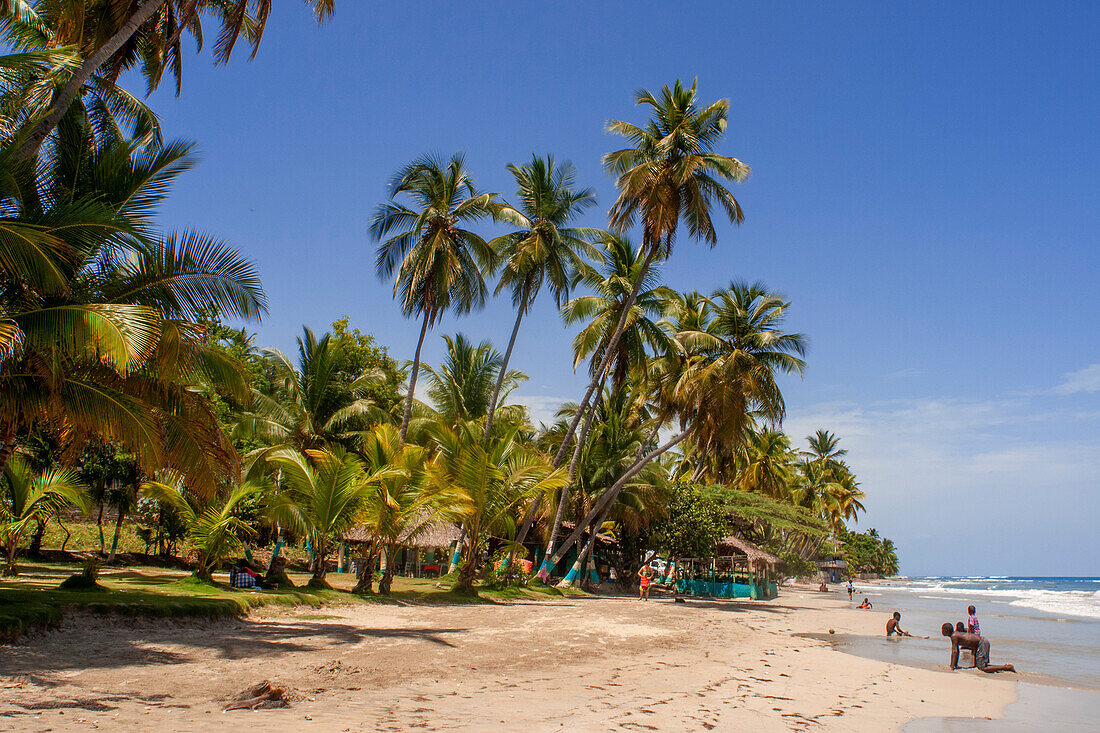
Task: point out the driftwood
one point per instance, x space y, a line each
259 697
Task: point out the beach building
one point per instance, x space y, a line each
832 570
425 552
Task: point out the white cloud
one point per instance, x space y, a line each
958 482
1082 380
541 407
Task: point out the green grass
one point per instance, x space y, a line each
33 601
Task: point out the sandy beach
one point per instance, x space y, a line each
567 664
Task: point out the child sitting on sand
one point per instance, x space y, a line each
866 603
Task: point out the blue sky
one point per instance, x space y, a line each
924 190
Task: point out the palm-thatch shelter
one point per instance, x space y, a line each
738 569
761 564
434 536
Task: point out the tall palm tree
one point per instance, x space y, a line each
110 37
670 173
439 264
463 387
546 249
824 447
769 464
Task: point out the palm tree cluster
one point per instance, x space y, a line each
114 354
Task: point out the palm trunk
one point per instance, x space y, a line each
35 549
503 371
544 571
412 379
699 470
576 572
99 522
118 531
609 354
528 520
61 102
64 529
610 495
7 445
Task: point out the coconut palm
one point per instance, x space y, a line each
214 525
769 464
99 319
670 173
310 408
323 490
491 482
30 498
546 249
824 447
402 505
110 37
464 386
439 264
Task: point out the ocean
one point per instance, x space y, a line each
1049 628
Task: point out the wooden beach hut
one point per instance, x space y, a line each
407 560
759 563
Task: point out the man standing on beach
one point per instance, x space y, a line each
850 589
977 644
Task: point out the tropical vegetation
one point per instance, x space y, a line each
125 391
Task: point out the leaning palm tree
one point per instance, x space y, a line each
108 38
670 173
546 249
439 264
769 464
27 498
324 490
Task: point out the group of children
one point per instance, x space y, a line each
962 637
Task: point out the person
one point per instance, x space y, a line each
866 603
893 626
972 622
643 583
850 589
243 576
823 588
977 644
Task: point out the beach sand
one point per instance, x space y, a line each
564 664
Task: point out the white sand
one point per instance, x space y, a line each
575 664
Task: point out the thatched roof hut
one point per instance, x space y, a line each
755 556
431 536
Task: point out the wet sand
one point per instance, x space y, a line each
565 664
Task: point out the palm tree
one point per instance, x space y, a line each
439 264
768 466
546 249
324 490
463 387
310 408
99 319
401 505
670 173
30 498
111 38
213 523
824 447
490 483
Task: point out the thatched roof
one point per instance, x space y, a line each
749 550
429 536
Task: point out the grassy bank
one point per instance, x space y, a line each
33 601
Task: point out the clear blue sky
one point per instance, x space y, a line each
924 189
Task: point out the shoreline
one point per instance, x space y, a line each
591 663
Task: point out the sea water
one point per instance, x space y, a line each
1049 628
